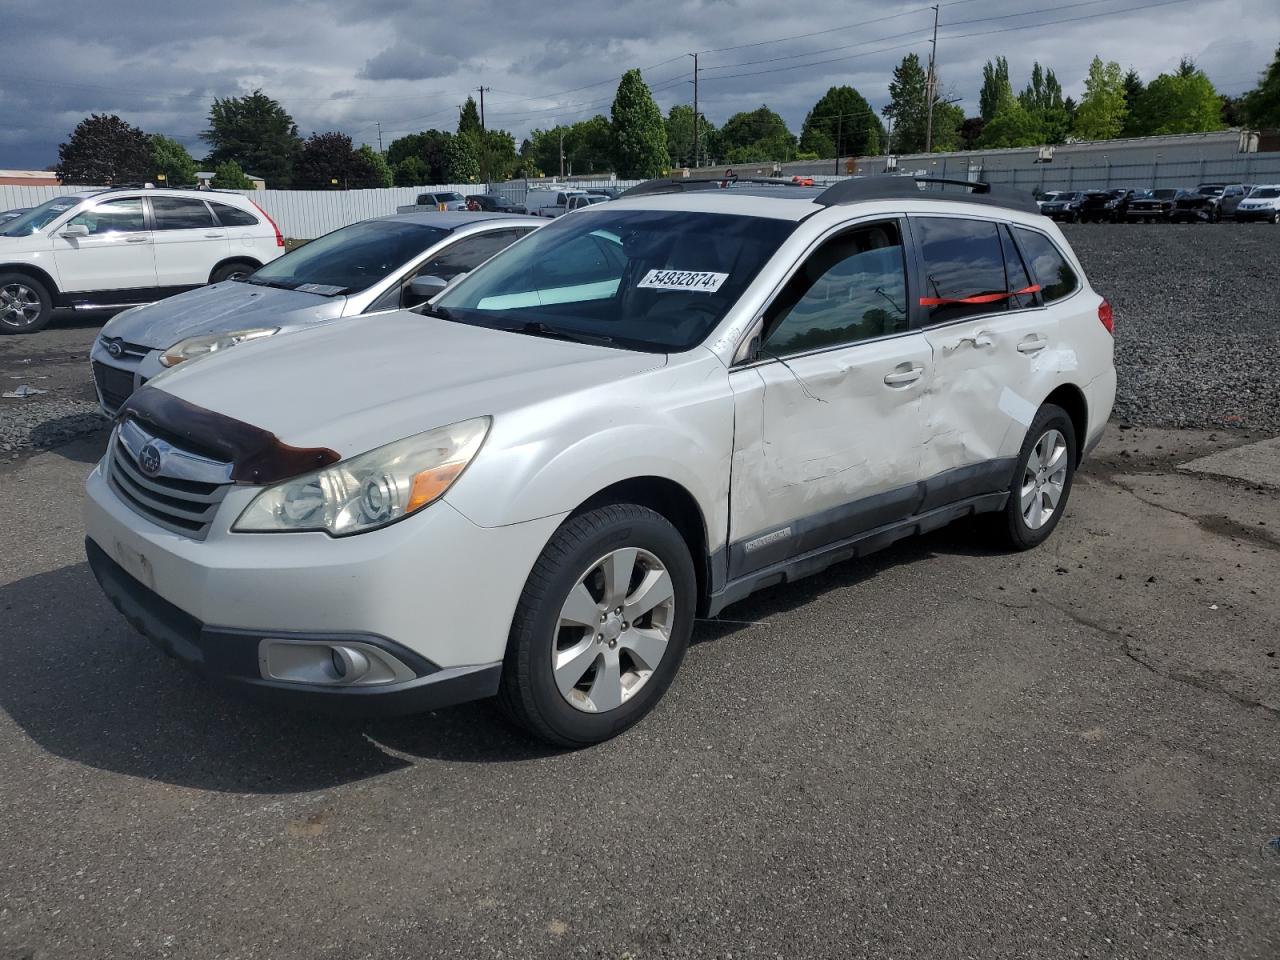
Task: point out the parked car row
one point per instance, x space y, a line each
549 201
522 469
1209 203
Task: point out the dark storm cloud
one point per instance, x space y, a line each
344 65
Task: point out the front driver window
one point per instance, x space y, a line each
852 288
112 216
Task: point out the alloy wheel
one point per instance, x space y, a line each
19 305
613 630
1044 479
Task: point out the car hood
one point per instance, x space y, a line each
219 308
357 385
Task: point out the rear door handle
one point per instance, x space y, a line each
1033 344
903 375
137 240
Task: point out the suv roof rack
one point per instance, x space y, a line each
910 188
683 184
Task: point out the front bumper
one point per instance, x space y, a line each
233 658
435 584
1262 213
115 378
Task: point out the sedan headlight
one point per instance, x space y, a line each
193 347
370 490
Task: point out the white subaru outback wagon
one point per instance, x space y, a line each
530 486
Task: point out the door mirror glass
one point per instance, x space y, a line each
427 287
73 230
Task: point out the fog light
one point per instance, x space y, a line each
349 664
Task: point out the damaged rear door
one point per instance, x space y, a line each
828 411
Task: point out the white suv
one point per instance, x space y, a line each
640 414
115 248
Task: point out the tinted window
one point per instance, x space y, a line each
853 288
1048 265
963 266
113 216
646 279
350 259
1021 293
468 253
176 213
232 217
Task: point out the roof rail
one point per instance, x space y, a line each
683 184
894 187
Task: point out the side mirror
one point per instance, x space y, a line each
75 230
427 286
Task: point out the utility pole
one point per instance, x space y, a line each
484 139
839 135
379 123
482 92
931 82
562 153
695 110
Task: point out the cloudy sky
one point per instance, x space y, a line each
346 64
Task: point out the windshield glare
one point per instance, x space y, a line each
39 217
650 280
350 259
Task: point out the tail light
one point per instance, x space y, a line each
279 235
1107 317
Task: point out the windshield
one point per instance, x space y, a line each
1265 193
1162 194
652 280
1209 190
350 259
39 217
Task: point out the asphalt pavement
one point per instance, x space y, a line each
939 752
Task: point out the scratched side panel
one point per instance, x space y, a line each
825 432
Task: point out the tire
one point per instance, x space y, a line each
1012 526
569 580
25 305
1275 216
232 270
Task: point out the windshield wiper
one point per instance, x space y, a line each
537 328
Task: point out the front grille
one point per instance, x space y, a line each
114 384
173 497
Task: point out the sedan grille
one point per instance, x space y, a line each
173 488
114 384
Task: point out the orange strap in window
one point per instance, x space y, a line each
979 298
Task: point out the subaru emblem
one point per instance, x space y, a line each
149 460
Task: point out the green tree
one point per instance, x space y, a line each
996 90
500 152
371 169
469 118
1262 104
228 176
679 125
908 105
170 157
103 150
1013 126
842 124
411 172
324 159
428 147
1101 114
947 120
1042 99
639 137
461 165
589 145
257 133
1133 91
757 136
1181 102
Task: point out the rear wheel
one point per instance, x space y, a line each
601 627
1041 482
232 271
25 305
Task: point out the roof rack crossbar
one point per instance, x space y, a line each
682 184
888 187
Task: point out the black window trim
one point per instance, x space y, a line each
910 276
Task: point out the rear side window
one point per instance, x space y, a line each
1048 266
232 217
963 268
852 288
175 213
1023 291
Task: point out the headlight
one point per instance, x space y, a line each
372 489
194 347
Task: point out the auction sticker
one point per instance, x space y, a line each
694 281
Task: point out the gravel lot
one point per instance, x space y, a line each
1197 337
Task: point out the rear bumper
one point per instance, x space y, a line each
231 658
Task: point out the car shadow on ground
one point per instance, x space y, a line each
79 437
83 686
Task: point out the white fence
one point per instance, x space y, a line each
300 214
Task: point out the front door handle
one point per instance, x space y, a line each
1033 344
215 236
903 375
137 240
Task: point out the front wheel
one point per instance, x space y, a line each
1041 481
601 627
25 305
